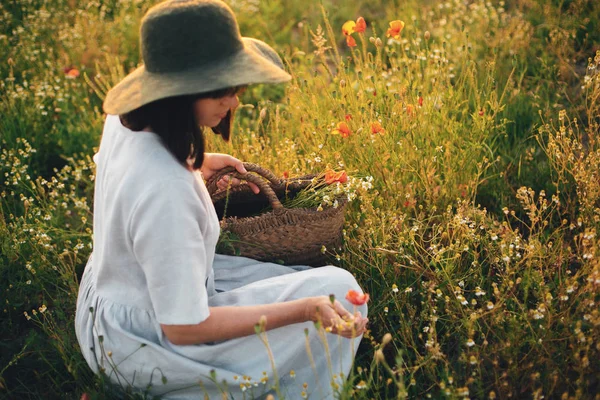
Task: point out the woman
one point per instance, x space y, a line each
157 309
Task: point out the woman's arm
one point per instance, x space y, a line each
236 321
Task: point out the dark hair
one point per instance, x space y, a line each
172 119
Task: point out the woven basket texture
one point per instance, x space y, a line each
259 227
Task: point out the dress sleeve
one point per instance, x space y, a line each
168 243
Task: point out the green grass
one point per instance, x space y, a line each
477 243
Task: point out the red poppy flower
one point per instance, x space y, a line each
377 128
350 41
361 25
332 176
342 129
286 174
348 117
420 101
358 299
72 73
395 29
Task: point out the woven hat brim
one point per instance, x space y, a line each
248 66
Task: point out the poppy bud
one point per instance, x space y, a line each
263 321
379 357
386 339
378 42
427 35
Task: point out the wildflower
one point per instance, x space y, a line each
481 112
286 174
408 290
395 29
332 176
537 314
470 342
348 28
409 109
72 73
348 117
490 305
350 41
377 128
361 385
394 288
420 101
292 374
479 292
342 129
360 26
356 298
43 308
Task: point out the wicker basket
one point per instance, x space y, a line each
258 226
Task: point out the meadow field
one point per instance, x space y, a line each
475 123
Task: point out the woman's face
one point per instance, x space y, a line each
209 112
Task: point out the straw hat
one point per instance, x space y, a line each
193 47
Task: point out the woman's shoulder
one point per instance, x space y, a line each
140 157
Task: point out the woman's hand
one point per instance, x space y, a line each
214 162
335 317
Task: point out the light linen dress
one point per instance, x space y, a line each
154 262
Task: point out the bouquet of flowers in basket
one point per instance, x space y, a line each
328 190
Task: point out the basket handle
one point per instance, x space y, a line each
264 187
211 184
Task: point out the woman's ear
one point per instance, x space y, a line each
224 127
